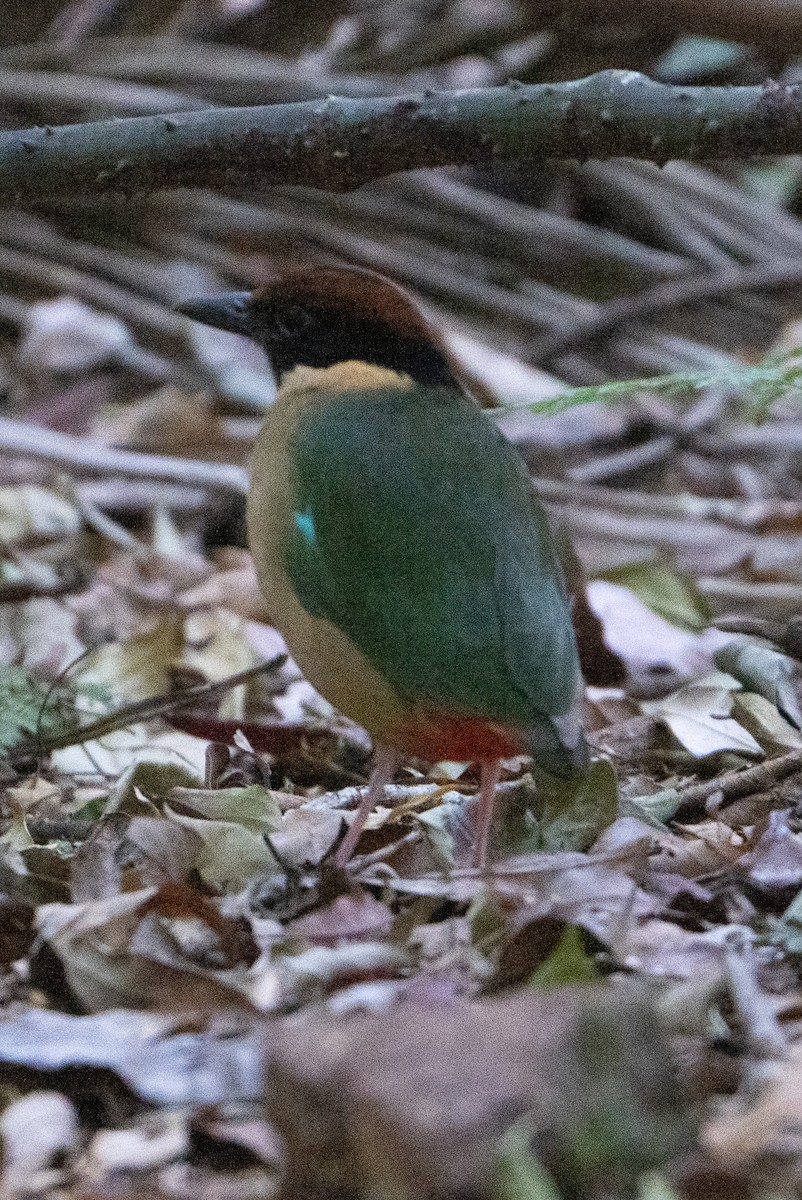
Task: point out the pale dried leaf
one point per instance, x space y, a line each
29 512
121 751
646 641
35 1129
231 856
217 646
65 335
765 722
156 1055
162 1140
306 836
699 718
40 635
236 589
349 918
167 421
775 863
140 666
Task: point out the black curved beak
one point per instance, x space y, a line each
228 311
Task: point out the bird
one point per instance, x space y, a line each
398 541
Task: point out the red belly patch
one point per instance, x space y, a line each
439 737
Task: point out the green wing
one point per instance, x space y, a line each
416 532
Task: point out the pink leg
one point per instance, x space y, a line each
384 765
491 773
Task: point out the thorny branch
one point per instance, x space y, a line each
338 144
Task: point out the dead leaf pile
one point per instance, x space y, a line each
194 1001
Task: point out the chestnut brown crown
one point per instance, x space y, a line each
319 316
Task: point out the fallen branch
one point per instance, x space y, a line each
735 784
65 450
338 144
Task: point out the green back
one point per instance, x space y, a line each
417 533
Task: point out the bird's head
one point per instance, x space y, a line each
320 316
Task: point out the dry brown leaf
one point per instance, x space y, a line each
236 589
775 864
306 836
167 421
771 1125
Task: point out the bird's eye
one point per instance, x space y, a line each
291 320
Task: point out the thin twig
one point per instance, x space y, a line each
230 74
370 860
87 91
57 277
106 526
624 462
141 710
776 23
752 515
672 294
142 495
547 236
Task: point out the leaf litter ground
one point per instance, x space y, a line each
194 1003
177 943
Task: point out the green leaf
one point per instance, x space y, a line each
253 807
519 1173
762 668
139 667
774 182
654 1186
28 706
539 812
569 815
568 963
656 809
787 930
666 592
690 58
151 779
29 511
232 856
